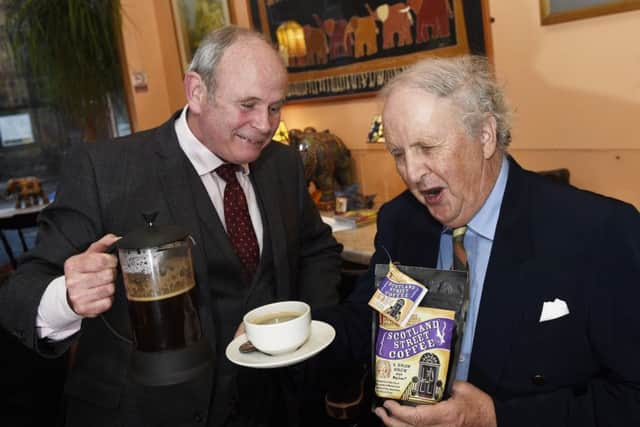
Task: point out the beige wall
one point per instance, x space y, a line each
150 47
575 87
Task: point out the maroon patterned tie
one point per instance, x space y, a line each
236 216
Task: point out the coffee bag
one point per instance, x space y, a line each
416 363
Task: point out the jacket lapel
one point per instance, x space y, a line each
500 309
174 176
264 176
212 225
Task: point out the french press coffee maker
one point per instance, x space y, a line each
161 292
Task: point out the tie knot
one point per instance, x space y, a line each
458 233
227 172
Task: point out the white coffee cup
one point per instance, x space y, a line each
278 328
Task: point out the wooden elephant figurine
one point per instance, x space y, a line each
327 163
28 189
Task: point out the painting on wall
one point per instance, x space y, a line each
193 20
348 48
557 11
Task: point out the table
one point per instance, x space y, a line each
17 219
358 243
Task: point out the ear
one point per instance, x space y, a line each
488 137
196 91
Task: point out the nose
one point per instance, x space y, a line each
263 120
415 168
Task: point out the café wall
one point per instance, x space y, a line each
574 86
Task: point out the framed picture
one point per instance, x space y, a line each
193 20
556 11
352 47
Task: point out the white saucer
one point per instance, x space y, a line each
322 334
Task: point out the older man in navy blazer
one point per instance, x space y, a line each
553 329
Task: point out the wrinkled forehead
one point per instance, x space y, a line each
409 110
251 62
250 52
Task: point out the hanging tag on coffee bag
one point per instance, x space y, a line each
397 296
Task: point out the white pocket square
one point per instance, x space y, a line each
553 310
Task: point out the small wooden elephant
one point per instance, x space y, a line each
327 163
29 191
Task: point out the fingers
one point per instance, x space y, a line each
476 404
92 302
240 330
103 244
393 414
468 406
385 417
88 262
90 278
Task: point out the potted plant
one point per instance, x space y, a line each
70 47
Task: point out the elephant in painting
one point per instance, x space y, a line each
334 29
361 33
396 19
316 44
434 14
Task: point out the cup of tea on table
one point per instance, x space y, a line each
278 328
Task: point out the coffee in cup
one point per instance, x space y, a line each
278 328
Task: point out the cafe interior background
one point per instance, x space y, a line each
575 86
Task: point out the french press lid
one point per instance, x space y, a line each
151 236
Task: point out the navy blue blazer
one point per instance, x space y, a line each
552 241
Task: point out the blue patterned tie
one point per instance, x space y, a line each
460 261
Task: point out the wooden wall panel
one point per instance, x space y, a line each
376 172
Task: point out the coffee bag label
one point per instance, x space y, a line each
397 296
412 362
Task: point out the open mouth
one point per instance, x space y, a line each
433 195
250 140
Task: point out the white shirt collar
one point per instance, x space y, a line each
203 160
484 222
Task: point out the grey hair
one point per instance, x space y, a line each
470 82
207 57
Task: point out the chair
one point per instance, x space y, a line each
19 220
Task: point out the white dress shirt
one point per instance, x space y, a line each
57 321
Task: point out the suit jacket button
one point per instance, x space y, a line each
197 418
538 379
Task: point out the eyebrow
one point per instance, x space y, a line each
257 99
429 139
249 99
391 147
